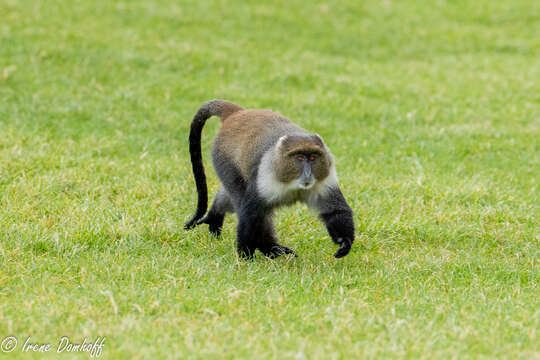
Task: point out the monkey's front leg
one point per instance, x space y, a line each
252 215
269 244
338 218
256 229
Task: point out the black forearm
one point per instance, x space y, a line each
338 218
339 224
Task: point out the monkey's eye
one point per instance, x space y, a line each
312 157
300 157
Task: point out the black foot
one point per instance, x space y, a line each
245 252
214 231
278 250
191 223
215 223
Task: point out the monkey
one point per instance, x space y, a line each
265 161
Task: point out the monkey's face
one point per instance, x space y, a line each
308 165
303 161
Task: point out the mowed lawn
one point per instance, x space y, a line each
432 110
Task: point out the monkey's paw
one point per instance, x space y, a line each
344 248
278 250
214 224
191 224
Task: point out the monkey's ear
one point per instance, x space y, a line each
318 139
281 141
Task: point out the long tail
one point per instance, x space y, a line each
222 109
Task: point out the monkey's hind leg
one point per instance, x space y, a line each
216 215
269 244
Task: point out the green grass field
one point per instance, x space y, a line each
432 110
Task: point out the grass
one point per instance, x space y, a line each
431 109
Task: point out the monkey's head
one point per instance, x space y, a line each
302 158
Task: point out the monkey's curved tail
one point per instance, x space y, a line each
222 109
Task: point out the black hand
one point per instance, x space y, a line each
344 248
